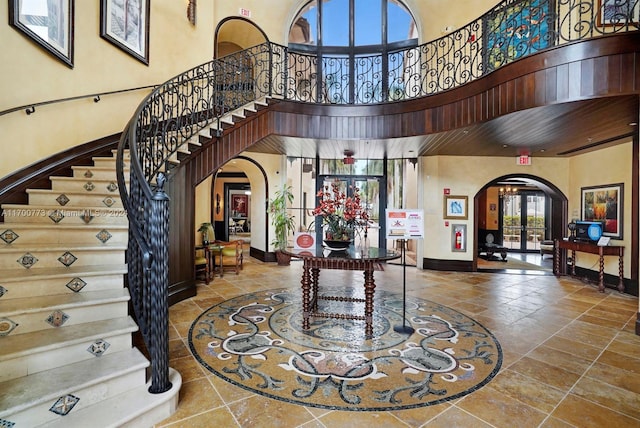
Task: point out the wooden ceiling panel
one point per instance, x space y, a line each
555 130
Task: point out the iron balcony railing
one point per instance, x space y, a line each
176 111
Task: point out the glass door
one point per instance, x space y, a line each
524 220
370 196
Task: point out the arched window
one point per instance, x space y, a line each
354 45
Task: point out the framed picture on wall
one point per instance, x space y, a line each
239 205
605 204
618 13
49 23
455 207
126 25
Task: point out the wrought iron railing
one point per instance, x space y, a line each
199 98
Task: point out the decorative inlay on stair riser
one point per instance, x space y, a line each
56 216
67 259
86 217
6 424
3 291
103 236
112 187
7 326
62 199
88 174
57 318
27 260
99 347
64 405
76 284
108 201
9 236
89 186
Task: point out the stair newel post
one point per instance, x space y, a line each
159 314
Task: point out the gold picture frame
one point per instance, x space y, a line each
455 207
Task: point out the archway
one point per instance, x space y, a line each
234 34
489 221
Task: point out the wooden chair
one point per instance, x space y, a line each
202 265
230 257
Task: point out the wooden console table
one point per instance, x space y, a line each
353 259
588 247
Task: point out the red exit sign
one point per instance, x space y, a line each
245 12
523 160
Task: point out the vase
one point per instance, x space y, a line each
337 245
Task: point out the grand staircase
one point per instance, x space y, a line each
66 347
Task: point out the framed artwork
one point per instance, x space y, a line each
618 12
125 23
455 207
605 204
239 205
459 238
49 23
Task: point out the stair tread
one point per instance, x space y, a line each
59 207
134 403
25 392
26 305
60 247
92 179
119 410
69 226
20 274
44 340
95 192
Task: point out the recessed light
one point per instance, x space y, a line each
633 124
504 146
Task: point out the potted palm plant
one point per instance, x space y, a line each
283 222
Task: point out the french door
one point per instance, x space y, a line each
524 220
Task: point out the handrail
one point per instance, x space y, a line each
181 108
31 108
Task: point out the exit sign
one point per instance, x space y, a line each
523 160
245 12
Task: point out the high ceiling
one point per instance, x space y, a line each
556 130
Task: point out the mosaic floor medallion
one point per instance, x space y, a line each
256 341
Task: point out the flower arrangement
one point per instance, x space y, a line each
340 214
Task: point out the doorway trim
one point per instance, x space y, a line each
559 210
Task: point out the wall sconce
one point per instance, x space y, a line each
191 11
217 203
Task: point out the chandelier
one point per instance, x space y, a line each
507 191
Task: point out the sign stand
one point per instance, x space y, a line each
404 328
402 224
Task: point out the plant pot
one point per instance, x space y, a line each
282 258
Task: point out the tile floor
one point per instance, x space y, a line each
571 358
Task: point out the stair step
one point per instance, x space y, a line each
37 351
26 401
108 162
133 409
95 173
56 214
85 185
21 283
31 314
95 198
55 233
16 256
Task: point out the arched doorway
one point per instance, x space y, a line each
517 212
234 34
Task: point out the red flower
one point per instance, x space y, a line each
340 214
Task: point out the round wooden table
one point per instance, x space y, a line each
364 259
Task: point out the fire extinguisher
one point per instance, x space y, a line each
458 239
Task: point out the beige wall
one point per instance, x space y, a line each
465 176
608 166
30 74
